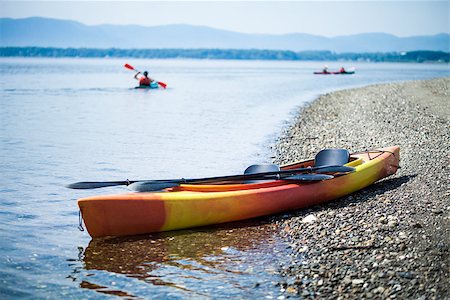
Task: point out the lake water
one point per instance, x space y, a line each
67 120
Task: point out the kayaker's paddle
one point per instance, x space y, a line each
130 67
154 186
255 176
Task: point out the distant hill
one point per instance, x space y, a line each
44 32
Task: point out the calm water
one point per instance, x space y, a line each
67 120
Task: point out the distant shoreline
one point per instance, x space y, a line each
234 54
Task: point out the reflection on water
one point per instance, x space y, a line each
221 261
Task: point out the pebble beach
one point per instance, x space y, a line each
390 240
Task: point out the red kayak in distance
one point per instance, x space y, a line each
335 73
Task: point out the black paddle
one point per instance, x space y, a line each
153 186
255 176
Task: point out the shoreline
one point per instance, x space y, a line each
391 239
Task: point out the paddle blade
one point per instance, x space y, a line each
129 67
333 169
162 84
151 186
308 177
95 185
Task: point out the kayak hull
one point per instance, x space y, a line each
199 205
153 85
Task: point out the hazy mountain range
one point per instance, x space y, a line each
44 32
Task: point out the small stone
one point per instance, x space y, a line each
309 219
392 223
407 275
346 280
357 281
303 249
291 290
379 290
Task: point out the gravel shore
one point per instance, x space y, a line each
390 240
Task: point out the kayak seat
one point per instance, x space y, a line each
253 169
331 157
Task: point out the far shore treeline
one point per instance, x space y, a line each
238 54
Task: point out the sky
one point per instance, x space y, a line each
326 18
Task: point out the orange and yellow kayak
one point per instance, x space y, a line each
192 205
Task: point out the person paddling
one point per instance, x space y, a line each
342 70
147 81
143 80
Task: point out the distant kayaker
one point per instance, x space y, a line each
143 80
342 70
325 69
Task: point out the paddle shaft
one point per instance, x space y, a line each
152 186
255 176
